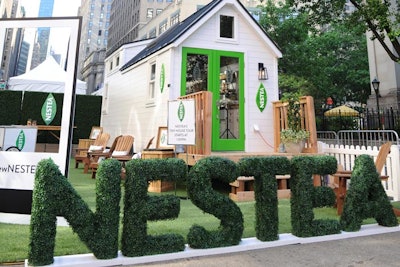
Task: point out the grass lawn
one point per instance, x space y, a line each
15 238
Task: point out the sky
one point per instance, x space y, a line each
62 8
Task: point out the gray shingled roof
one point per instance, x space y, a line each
173 33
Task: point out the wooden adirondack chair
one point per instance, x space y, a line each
122 150
341 176
99 144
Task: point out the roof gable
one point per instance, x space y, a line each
178 30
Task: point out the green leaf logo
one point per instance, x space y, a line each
163 139
181 111
49 109
162 78
261 98
20 142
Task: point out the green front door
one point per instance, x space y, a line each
220 72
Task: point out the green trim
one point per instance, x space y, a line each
213 86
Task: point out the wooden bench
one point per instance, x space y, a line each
243 188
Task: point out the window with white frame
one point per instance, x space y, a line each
226 27
152 82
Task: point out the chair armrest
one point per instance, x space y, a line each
98 154
123 158
81 149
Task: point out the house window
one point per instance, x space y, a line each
152 83
226 26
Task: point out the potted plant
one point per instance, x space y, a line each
293 138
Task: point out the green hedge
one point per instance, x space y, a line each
18 107
264 170
10 103
201 193
366 197
302 195
53 195
140 208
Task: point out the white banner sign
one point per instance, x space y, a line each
181 122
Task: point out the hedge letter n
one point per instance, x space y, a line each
53 195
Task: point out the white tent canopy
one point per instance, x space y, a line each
47 77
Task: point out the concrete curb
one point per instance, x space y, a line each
245 245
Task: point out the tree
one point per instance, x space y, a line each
381 17
321 62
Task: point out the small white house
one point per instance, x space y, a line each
220 49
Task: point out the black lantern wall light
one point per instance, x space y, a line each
262 72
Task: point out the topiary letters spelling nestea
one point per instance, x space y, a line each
53 196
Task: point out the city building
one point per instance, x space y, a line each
95 23
12 39
382 67
41 45
93 70
128 16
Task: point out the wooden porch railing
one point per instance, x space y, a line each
203 104
307 122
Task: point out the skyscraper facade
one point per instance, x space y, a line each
128 16
42 38
95 23
12 40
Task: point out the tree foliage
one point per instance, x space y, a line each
322 62
380 17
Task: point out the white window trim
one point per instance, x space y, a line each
151 100
235 38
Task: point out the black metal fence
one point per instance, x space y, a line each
370 119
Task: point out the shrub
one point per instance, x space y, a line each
140 208
53 195
264 170
323 197
302 195
366 197
201 193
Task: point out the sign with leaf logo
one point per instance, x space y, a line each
261 98
181 111
20 142
162 78
49 109
181 122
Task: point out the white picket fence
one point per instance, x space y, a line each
345 156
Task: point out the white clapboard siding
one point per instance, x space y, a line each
346 155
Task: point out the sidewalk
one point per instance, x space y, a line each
373 245
367 251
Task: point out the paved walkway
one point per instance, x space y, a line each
367 251
373 245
